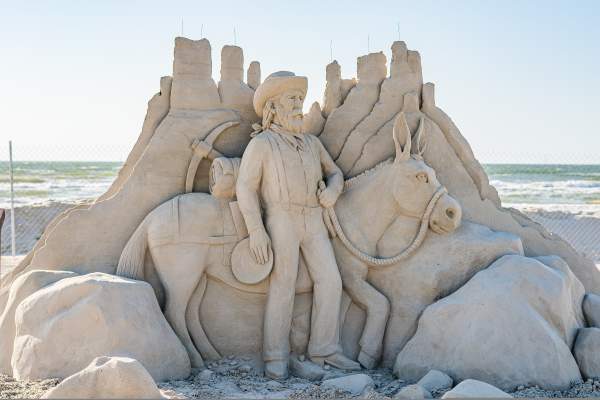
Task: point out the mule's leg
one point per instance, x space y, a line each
376 305
192 319
180 268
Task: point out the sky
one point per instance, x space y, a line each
519 78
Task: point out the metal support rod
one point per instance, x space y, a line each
12 201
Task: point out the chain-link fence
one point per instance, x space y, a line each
562 193
46 185
564 197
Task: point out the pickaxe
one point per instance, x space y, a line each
203 148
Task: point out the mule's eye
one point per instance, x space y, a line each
422 177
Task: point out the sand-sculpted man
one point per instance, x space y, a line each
280 173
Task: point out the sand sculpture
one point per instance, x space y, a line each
300 241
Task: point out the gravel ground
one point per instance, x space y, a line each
589 388
235 378
11 389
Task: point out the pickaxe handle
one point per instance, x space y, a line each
203 148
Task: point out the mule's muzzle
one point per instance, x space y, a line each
446 215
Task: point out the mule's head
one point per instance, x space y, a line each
414 183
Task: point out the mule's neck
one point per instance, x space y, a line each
371 204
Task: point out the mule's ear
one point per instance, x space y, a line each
401 131
421 144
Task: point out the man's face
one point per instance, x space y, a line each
288 110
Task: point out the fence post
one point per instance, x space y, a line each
12 201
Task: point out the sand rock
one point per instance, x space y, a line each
406 77
234 93
62 327
512 312
336 88
24 286
253 75
435 381
413 392
377 146
472 388
193 87
358 104
591 309
313 121
355 384
587 352
108 378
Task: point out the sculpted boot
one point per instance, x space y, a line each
366 360
337 360
276 369
303 368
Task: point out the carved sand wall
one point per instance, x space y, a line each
355 125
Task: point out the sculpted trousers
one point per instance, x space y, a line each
292 232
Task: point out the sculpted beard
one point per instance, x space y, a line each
290 119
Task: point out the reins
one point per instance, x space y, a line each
404 254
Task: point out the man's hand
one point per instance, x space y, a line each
260 243
328 197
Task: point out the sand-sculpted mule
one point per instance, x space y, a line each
186 239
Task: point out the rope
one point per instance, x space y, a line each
404 254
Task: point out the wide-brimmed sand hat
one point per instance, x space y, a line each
276 84
245 268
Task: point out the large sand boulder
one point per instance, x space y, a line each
108 378
24 286
61 328
500 326
587 352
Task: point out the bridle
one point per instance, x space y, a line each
333 224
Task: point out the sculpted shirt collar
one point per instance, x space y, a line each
296 140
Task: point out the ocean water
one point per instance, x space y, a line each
552 187
37 183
